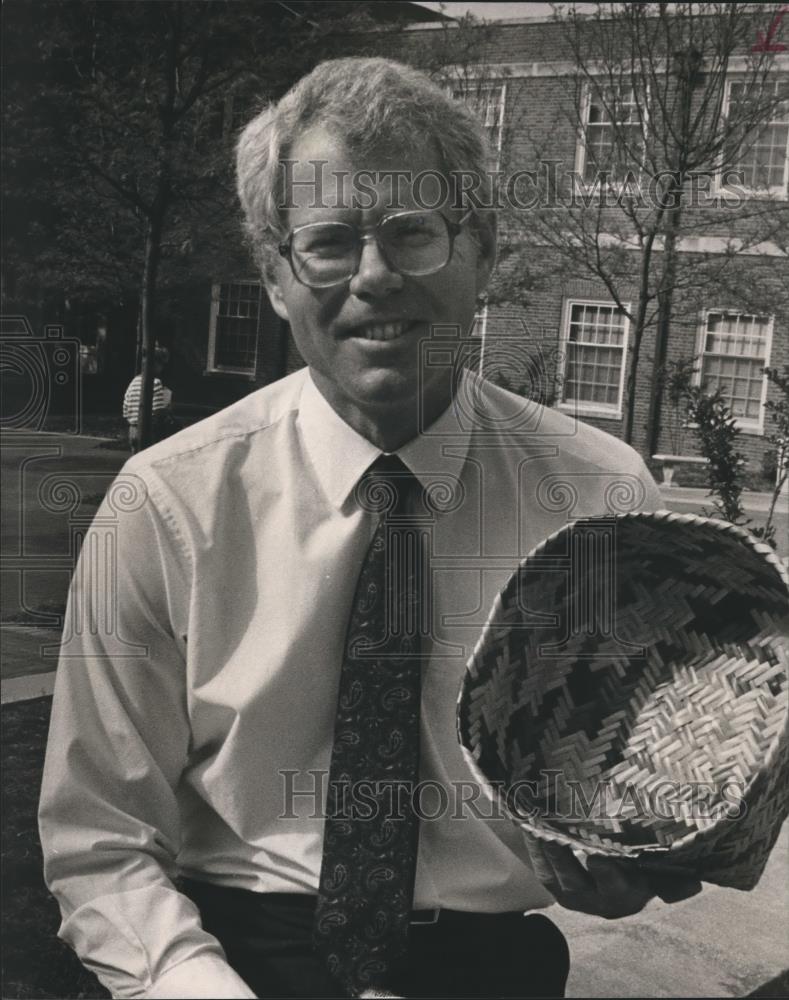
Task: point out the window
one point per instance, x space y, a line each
479 330
593 370
762 162
236 310
613 141
486 100
734 350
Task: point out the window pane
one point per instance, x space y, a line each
595 350
760 162
735 354
486 100
235 344
614 135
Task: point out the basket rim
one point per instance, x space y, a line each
712 832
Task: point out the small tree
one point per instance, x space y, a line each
717 432
777 413
711 420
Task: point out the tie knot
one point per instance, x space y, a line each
388 465
388 487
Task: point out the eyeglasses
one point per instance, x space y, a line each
323 254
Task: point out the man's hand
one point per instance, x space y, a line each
607 887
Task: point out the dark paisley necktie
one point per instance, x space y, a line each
371 833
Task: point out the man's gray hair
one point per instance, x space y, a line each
371 104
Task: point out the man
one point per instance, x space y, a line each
162 398
203 752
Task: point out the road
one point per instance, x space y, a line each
52 485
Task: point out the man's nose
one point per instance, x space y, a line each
374 276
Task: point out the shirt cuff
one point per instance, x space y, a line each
203 977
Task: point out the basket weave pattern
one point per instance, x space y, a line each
628 695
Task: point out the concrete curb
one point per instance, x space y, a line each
26 688
83 437
754 503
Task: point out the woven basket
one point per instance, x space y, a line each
628 695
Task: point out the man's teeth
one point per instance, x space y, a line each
383 331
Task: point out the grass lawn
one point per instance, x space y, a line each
34 962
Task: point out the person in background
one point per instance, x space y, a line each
162 400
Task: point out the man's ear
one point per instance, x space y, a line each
486 226
276 298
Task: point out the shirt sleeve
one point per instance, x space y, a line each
130 402
118 744
158 395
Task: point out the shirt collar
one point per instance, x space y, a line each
340 455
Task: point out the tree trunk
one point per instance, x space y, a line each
686 65
153 239
638 335
665 308
630 389
156 217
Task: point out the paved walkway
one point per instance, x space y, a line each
720 943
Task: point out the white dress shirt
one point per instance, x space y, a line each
200 662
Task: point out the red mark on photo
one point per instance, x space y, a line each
765 43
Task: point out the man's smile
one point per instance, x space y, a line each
383 333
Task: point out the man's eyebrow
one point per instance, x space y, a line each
327 213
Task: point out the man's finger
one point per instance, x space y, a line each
613 876
571 874
672 888
558 870
541 863
623 889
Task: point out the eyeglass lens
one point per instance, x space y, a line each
412 243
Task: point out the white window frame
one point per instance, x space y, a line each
745 424
480 332
780 191
216 293
460 89
584 406
583 186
